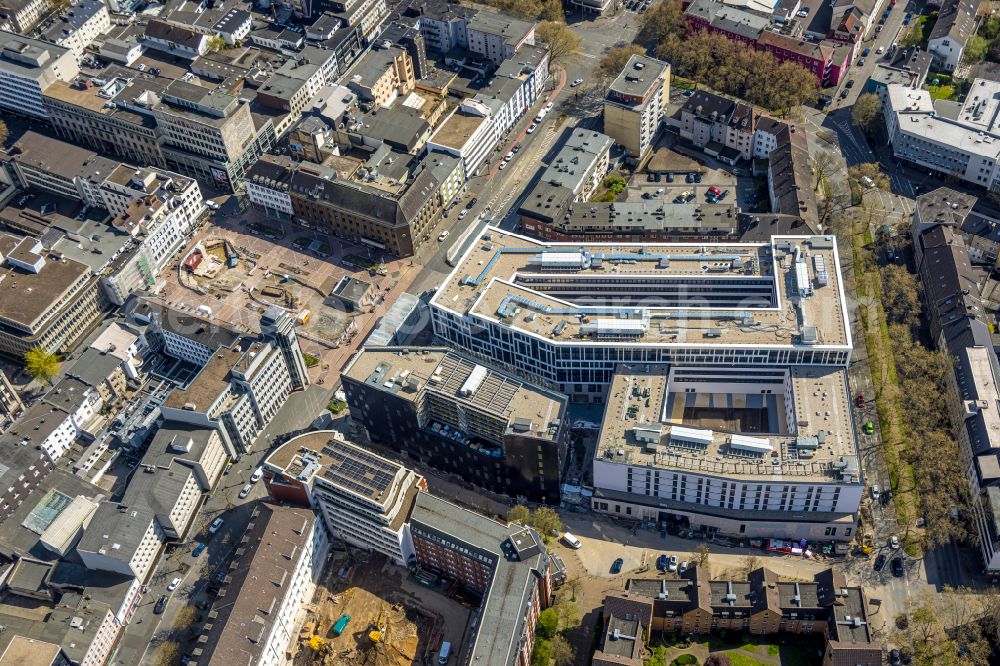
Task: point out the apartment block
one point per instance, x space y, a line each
21 16
461 416
122 540
635 103
381 75
79 26
722 127
760 605
506 564
580 163
243 381
955 307
29 66
364 499
278 562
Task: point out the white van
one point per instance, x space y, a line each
444 653
571 541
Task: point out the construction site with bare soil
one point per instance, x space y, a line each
369 612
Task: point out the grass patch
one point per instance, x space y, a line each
942 92
336 406
682 660
311 361
681 82
740 659
773 650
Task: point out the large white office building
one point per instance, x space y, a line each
722 368
567 315
965 145
27 67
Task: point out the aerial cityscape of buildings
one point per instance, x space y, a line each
419 331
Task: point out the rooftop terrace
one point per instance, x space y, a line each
652 419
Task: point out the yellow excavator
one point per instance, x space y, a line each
377 634
319 644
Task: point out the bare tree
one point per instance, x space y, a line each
701 554
750 562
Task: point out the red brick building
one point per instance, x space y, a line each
507 565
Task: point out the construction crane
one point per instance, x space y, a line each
377 634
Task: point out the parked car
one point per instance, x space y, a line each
894 542
684 567
246 491
198 550
697 177
897 567
216 524
859 401
517 147
894 658
712 189
173 584
503 165
616 567
869 427
689 178
462 213
444 234
880 562
509 156
576 83
672 565
689 198
472 202
876 492
865 53
659 192
256 476
161 605
861 62
531 127
661 562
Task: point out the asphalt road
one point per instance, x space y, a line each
147 630
502 190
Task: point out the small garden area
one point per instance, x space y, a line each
733 649
336 406
310 360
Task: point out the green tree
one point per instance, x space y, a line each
42 365
548 623
542 653
615 184
976 49
215 44
519 514
546 522
562 651
168 654
563 43
866 111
